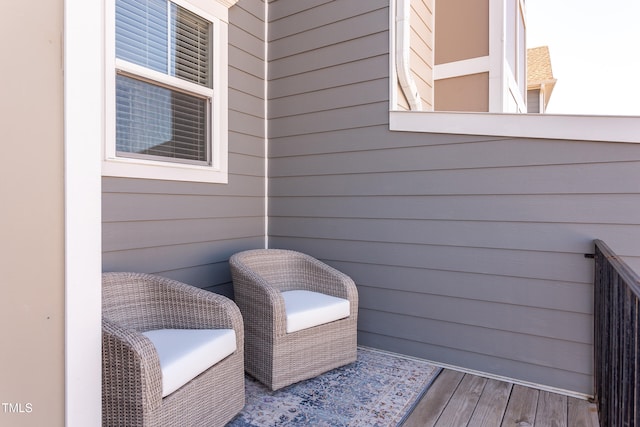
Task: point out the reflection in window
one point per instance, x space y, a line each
153 121
458 61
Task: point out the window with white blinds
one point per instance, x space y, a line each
158 117
167 89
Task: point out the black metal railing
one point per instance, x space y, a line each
616 339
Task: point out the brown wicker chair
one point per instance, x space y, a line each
132 380
273 356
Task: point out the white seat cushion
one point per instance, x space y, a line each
306 309
186 353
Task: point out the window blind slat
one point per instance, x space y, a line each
141 32
191 54
156 121
141 38
152 120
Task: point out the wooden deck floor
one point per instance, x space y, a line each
456 399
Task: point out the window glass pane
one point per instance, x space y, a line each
141 33
153 121
190 46
164 37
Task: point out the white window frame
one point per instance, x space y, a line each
216 12
546 126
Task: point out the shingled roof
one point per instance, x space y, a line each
539 65
539 72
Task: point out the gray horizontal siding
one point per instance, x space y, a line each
122 236
190 263
466 358
499 262
534 350
557 208
445 155
328 28
367 92
467 250
516 235
276 11
327 120
188 231
329 56
338 76
539 180
517 291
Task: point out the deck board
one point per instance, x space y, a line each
492 405
456 399
463 402
521 410
428 410
552 410
581 413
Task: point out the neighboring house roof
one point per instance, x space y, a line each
539 64
539 72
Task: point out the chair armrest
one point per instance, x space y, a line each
260 302
131 375
320 277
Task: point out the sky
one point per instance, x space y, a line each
595 53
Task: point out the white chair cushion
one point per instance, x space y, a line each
306 309
186 353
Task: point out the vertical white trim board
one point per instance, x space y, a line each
83 85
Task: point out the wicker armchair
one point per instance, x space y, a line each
273 356
132 389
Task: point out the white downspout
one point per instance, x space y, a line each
266 125
403 52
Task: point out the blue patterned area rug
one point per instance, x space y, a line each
379 389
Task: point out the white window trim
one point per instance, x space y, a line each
546 126
217 172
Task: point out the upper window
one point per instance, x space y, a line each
167 91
